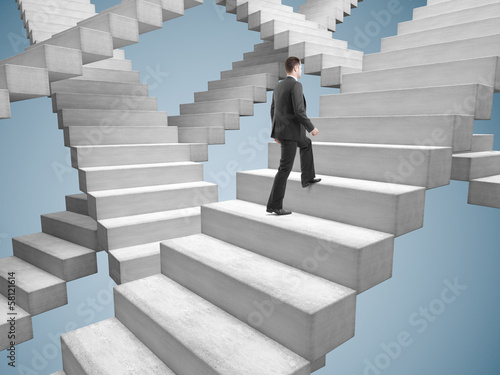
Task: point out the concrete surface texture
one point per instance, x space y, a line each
194 269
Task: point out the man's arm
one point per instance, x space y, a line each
299 108
272 109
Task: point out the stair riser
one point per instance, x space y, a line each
268 81
304 50
68 270
126 271
137 177
131 235
80 236
442 35
24 331
101 208
107 75
208 135
148 15
24 82
484 194
287 38
253 93
331 261
108 121
460 50
112 64
397 165
455 18
446 131
75 205
383 212
244 10
255 20
105 88
39 301
221 290
95 135
243 107
270 58
472 99
57 6
315 64
113 156
84 101
277 69
485 71
269 29
70 363
464 169
229 120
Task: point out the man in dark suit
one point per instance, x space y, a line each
290 122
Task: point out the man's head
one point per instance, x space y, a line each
293 67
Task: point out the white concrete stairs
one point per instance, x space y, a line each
65 250
327 12
283 31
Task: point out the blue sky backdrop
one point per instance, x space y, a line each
403 326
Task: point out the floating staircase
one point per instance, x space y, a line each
209 290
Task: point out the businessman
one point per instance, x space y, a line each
290 122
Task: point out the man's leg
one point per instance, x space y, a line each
288 151
306 161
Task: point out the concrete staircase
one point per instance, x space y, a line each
327 13
202 296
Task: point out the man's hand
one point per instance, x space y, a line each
315 132
275 140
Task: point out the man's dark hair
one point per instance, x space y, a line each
291 63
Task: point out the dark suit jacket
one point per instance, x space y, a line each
288 111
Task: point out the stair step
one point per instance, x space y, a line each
256 19
60 62
244 107
170 8
267 52
41 17
269 81
287 38
316 63
206 134
427 166
335 251
148 15
200 337
35 30
260 60
140 229
243 8
77 203
24 82
434 53
138 175
485 70
34 11
257 94
475 29
433 130
109 204
65 100
485 191
94 44
482 142
122 135
113 64
382 206
135 262
108 75
59 5
445 8
472 165
114 155
61 258
36 291
4 104
453 18
276 68
418 101
237 280
106 348
306 49
23 329
228 120
72 227
269 29
341 5
99 87
113 119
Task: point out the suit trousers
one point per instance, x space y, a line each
288 151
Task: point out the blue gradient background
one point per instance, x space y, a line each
457 241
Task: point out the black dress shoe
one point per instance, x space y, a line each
278 211
313 181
